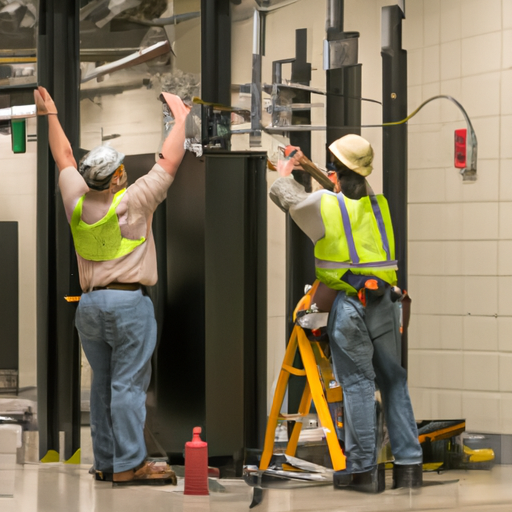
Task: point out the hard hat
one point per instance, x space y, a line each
98 166
355 152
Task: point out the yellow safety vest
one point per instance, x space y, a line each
101 241
358 244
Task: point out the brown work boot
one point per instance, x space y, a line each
149 473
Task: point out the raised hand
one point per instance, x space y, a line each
44 102
292 154
179 110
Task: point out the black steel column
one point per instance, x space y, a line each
300 257
343 106
215 55
58 364
300 262
394 138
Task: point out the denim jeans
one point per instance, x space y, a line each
117 329
366 349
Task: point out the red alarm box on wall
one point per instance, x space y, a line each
460 148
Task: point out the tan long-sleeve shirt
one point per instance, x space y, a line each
135 213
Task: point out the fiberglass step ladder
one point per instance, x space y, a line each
319 375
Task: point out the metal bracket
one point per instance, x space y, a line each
340 53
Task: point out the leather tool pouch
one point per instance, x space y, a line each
324 297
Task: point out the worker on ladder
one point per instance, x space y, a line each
354 258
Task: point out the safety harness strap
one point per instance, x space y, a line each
354 257
380 223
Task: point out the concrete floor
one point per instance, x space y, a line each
69 488
60 487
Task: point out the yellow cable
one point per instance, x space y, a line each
422 105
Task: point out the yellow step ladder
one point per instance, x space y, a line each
319 375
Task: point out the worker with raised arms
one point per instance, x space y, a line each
111 227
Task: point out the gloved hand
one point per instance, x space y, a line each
292 154
44 102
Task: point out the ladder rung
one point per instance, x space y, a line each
297 416
293 370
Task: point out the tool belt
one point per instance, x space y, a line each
376 288
324 297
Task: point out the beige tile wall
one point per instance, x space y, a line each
135 115
460 239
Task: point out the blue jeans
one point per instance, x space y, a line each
366 350
117 329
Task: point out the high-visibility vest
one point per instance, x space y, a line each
358 244
101 241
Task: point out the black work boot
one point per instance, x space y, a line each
407 475
372 481
341 479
